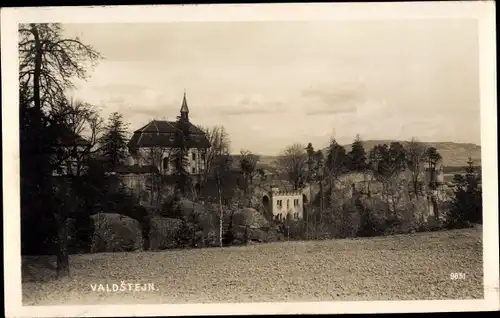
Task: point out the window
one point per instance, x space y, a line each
203 156
193 170
165 163
280 204
193 156
287 204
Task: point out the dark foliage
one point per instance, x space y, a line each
368 225
179 157
38 227
466 206
357 160
114 141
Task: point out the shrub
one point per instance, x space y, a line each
116 233
163 232
373 217
466 205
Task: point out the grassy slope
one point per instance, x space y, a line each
400 267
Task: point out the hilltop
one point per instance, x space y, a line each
454 154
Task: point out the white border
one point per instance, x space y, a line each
481 10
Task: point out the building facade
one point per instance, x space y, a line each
152 151
154 145
281 204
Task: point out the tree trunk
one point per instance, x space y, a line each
61 223
220 210
62 250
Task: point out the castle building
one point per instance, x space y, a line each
280 204
152 148
154 145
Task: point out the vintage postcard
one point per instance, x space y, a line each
250 159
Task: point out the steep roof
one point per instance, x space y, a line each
165 126
161 133
184 107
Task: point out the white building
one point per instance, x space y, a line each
280 204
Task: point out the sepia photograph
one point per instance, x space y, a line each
237 155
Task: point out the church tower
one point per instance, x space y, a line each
184 109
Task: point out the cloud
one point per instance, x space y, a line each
119 88
130 99
252 105
337 100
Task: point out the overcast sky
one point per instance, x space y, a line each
271 84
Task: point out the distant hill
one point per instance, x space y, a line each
454 154
266 161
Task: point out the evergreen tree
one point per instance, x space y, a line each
387 161
466 206
114 141
397 156
357 156
336 159
248 164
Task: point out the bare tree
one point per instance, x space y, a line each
85 126
48 63
292 162
415 160
387 164
220 146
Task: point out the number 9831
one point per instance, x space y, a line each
457 276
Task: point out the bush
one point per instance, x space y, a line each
349 221
116 233
163 233
249 217
466 207
374 219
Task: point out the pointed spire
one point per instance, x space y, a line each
184 108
